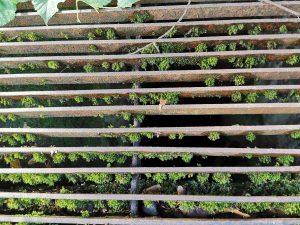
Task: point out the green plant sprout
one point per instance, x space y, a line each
255 31
89 68
251 97
292 60
110 34
239 80
236 96
202 47
250 137
295 135
54 65
214 135
220 47
210 81
117 66
141 17
195 32
283 29
93 48
234 29
270 94
105 65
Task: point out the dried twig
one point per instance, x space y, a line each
282 7
165 34
237 212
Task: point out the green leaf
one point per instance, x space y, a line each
96 4
46 8
126 3
7 11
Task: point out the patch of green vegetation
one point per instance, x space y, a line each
234 29
214 135
54 65
250 137
141 17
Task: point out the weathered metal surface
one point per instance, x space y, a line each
161 13
149 76
151 197
132 59
118 46
159 131
184 92
208 151
146 221
190 109
148 29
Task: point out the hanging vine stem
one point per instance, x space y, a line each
297 14
165 34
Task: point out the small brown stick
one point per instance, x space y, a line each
297 14
165 34
237 212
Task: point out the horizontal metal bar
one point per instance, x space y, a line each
159 131
146 221
151 197
113 46
147 29
182 91
143 170
161 13
208 151
189 109
149 76
132 59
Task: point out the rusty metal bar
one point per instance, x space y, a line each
184 92
151 197
161 13
147 29
208 151
272 55
149 76
146 221
189 109
114 46
159 131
